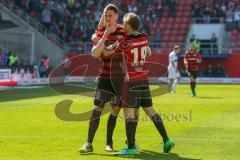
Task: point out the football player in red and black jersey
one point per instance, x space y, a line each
105 91
192 59
135 48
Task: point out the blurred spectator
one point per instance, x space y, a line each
197 45
196 11
208 71
21 68
207 14
5 57
44 68
34 7
171 7
192 39
232 4
213 12
13 60
219 71
157 35
234 36
229 20
237 17
47 17
66 64
36 72
214 46
1 56
159 8
76 20
132 7
217 11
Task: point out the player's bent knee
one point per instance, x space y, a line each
115 111
97 108
150 111
129 113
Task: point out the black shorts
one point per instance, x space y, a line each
137 94
108 91
193 74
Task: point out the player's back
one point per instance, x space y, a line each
135 50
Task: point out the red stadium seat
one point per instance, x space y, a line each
175 31
234 38
181 2
164 38
180 7
154 26
174 38
186 19
176 25
164 45
234 32
179 14
178 19
187 13
168 25
184 25
171 45
183 31
167 32
153 32
181 38
167 38
188 7
161 25
164 20
171 20
165 14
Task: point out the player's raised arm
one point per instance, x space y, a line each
97 49
149 52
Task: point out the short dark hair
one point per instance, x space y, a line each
112 7
133 20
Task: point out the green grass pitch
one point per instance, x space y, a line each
209 128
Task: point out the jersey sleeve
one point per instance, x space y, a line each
100 32
93 42
185 55
198 56
147 39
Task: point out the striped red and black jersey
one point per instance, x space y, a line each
111 65
192 59
134 48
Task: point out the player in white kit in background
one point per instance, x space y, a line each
173 73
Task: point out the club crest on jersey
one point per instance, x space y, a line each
125 45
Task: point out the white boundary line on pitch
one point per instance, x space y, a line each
225 139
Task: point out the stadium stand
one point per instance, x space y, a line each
63 17
167 22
